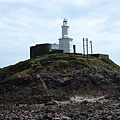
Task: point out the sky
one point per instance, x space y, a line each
25 23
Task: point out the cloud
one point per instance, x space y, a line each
19 1
84 2
28 22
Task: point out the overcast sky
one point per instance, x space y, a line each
24 23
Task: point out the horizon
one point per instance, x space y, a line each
26 23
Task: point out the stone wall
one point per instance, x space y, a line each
40 49
101 56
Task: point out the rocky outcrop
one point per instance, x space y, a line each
92 80
60 77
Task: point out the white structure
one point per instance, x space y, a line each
65 43
55 46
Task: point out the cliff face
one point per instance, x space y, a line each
59 76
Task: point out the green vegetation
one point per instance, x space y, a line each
55 61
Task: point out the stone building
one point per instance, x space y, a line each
40 49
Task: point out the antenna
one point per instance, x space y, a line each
91 47
85 47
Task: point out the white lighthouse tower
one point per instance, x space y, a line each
65 43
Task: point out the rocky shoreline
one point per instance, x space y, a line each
77 108
88 89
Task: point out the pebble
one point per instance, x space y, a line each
71 111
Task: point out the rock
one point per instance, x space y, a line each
56 118
65 118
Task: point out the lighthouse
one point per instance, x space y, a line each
65 43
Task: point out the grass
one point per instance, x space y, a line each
55 61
